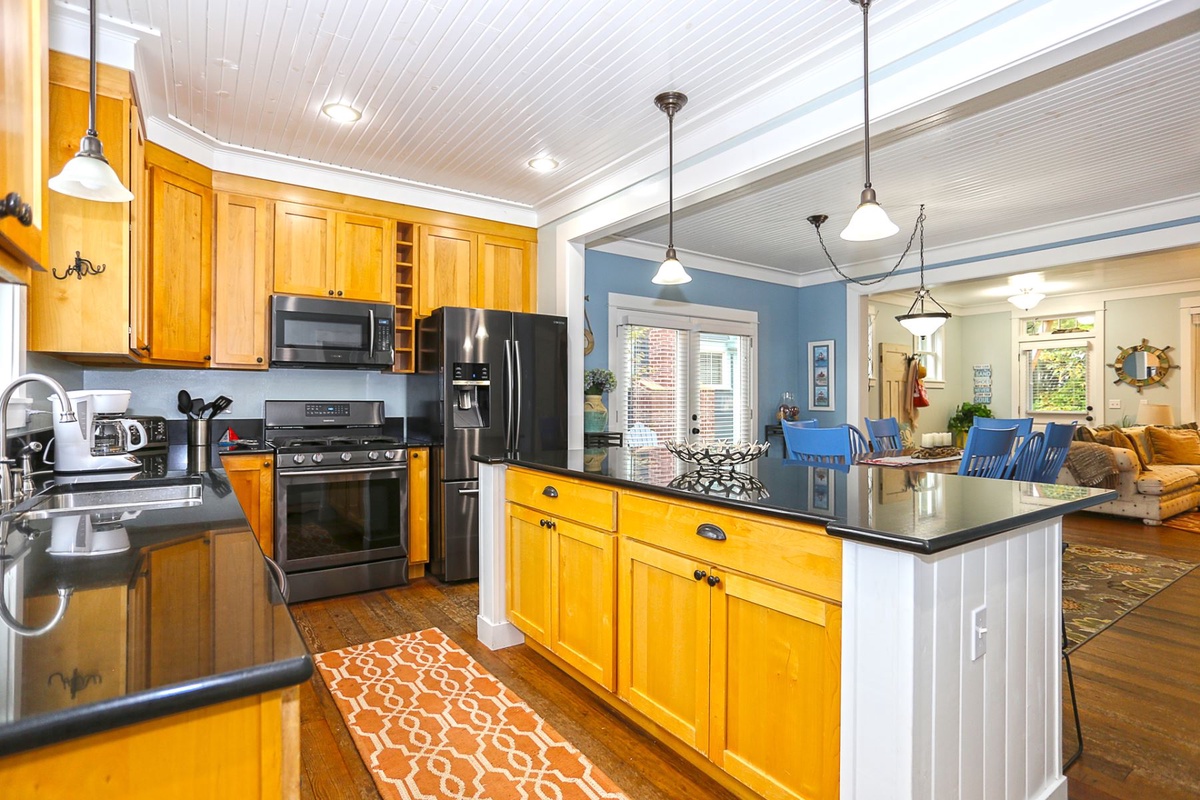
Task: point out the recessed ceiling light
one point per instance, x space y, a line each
543 164
341 112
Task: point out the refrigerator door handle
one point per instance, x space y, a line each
508 396
517 415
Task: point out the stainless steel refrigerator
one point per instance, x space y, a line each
487 381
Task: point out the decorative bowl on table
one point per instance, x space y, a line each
717 454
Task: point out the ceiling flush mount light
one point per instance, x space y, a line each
88 175
870 221
918 321
543 164
671 272
1027 299
340 112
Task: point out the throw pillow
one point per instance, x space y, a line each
1142 444
1175 446
1115 437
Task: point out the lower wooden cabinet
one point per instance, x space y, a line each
528 549
252 477
418 510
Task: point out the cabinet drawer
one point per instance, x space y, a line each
564 498
797 554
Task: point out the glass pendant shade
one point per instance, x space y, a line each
671 271
923 324
870 221
1027 299
89 176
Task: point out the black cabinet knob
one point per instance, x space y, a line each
259 359
713 580
12 206
331 292
208 358
699 574
339 294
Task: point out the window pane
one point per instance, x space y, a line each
1057 378
655 384
723 401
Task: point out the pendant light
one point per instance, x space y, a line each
671 271
918 321
88 175
1027 299
870 221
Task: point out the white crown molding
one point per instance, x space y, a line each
653 253
116 42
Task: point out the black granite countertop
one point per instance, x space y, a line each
922 512
180 612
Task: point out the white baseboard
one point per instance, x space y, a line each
497 635
1057 790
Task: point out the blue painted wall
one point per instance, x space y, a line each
821 314
778 327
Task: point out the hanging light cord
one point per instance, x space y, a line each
919 225
91 131
922 292
671 179
866 4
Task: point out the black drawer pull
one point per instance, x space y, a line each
713 580
550 491
699 574
710 531
547 523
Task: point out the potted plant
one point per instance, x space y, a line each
964 418
595 383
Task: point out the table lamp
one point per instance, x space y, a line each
1155 414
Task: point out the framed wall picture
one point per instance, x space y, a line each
820 376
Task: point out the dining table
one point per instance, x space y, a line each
906 460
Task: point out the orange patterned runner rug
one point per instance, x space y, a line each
430 722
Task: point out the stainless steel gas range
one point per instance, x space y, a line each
341 497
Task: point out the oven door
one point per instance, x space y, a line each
336 517
313 332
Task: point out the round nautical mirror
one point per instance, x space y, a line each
1142 365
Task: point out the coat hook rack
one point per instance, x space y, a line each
80 268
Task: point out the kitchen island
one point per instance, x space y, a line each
172 668
795 632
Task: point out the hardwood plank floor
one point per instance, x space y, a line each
1138 684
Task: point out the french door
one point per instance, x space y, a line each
683 378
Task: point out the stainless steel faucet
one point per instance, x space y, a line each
9 492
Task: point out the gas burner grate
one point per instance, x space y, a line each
300 442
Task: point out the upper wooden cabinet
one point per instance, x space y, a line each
241 280
461 268
24 165
89 317
180 268
324 253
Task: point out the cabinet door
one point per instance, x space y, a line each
776 672
505 280
365 260
583 589
446 263
23 122
528 571
304 250
180 269
418 505
241 281
178 636
252 477
663 631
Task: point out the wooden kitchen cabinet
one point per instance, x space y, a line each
528 572
180 269
89 317
242 273
418 510
320 252
583 600
24 122
252 476
464 268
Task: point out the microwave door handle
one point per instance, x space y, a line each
371 341
520 399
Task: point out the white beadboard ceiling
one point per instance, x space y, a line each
461 94
1113 130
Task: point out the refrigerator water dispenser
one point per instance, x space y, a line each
472 395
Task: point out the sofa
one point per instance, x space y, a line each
1157 469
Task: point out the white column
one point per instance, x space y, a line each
492 626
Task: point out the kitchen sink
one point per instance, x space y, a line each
72 499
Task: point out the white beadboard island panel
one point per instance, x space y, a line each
920 719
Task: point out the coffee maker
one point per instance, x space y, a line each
100 439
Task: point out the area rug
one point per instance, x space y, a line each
1184 522
1101 585
430 722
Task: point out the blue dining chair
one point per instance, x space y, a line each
818 447
1054 454
987 451
859 446
804 423
884 433
1028 459
1024 426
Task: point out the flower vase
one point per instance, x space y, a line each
595 414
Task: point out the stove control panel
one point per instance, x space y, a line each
326 410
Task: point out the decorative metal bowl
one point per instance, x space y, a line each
718 482
718 454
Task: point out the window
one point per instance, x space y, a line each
1060 325
681 375
1056 379
932 350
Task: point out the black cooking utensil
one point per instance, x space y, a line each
197 404
185 402
203 412
219 405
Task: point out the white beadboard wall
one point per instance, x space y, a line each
980 730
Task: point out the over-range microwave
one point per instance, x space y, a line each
315 332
